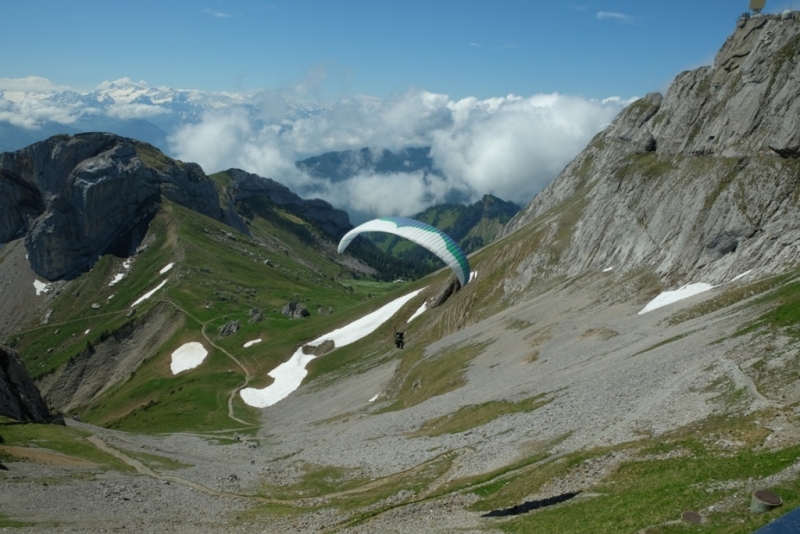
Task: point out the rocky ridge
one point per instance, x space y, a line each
700 183
76 198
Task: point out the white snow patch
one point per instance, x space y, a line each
188 356
735 278
251 343
472 276
119 276
608 269
110 297
373 399
148 294
668 297
87 331
289 375
419 312
166 268
40 287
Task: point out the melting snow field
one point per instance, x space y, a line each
188 356
40 287
289 375
119 276
148 294
166 268
668 297
251 343
689 290
419 312
735 278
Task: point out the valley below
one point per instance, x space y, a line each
614 391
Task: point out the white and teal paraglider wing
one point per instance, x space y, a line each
420 233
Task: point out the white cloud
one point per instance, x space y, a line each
29 84
510 146
30 111
608 15
217 14
387 194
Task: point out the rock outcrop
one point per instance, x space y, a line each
295 310
76 198
700 183
230 328
246 185
19 397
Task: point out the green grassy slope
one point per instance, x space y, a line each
218 276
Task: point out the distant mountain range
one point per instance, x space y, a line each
339 166
123 107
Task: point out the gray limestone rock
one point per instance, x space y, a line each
323 348
445 293
77 197
230 328
295 310
19 397
699 183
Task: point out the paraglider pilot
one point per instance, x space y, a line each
398 338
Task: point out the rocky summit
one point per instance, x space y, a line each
76 198
694 182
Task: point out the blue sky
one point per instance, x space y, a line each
505 93
591 48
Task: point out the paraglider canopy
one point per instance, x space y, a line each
420 233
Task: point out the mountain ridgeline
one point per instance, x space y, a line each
342 165
701 183
76 198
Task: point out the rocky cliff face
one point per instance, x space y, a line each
701 183
19 397
76 198
333 221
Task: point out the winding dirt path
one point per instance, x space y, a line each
248 374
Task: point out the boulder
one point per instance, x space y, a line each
295 310
19 397
256 316
323 348
445 293
230 328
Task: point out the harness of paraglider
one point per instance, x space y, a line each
398 339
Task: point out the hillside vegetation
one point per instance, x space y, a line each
543 396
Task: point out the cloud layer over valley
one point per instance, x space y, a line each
509 146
